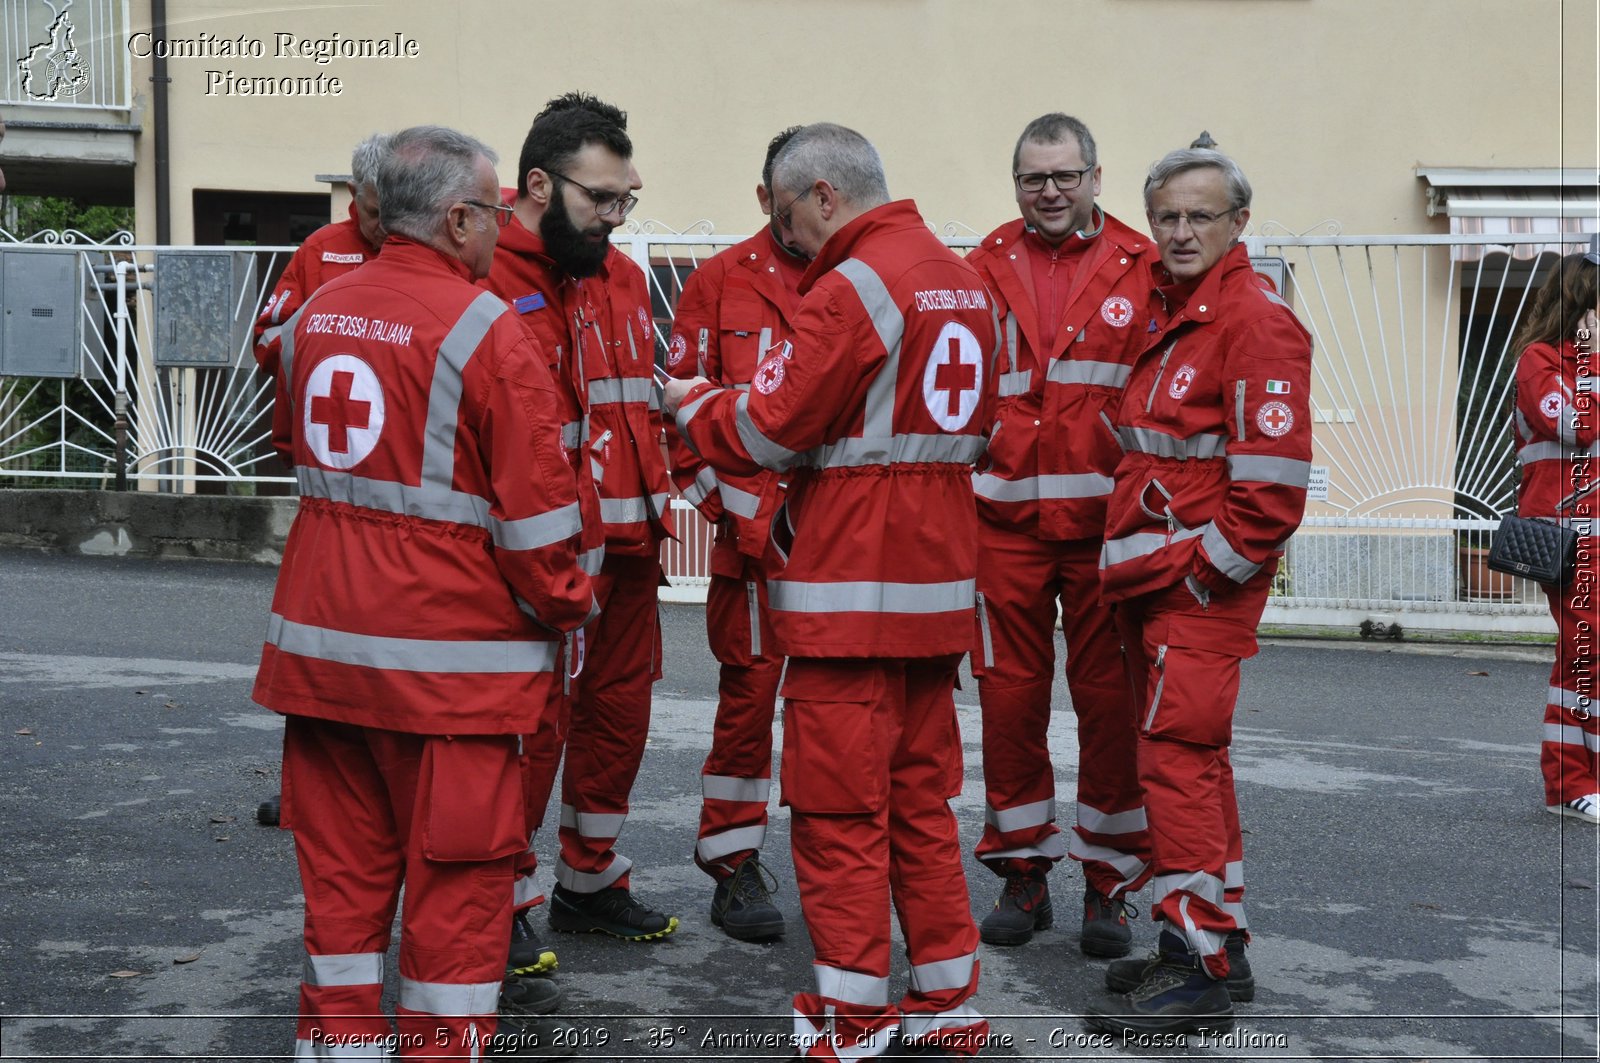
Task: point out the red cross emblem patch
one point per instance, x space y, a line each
952 377
1551 405
343 411
1182 381
677 349
1117 311
769 374
1275 418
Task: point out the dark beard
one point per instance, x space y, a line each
566 243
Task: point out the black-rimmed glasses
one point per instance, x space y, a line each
1064 180
502 215
604 202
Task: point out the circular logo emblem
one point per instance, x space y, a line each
343 411
952 377
677 349
1551 405
1182 381
769 374
1117 310
1275 418
644 321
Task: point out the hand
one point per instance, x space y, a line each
1587 329
674 391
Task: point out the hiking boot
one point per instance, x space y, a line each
1023 907
530 996
1124 976
612 911
1105 925
528 954
1176 996
742 904
527 1029
1586 808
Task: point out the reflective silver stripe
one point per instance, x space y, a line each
524 891
687 411
1101 374
459 1000
1236 910
852 452
1016 383
1548 451
286 356
591 560
878 417
444 397
1274 297
1021 817
572 435
1052 848
1205 942
1126 865
1151 441
544 529
269 334
621 389
631 510
1260 468
344 969
730 788
386 496
739 840
852 987
593 824
940 976
1011 341
1233 875
1228 561
740 387
591 882
1584 526
919 1024
1095 821
1116 551
1567 699
761 449
1206 887
867 596
1028 488
1567 735
752 597
410 655
705 482
740 503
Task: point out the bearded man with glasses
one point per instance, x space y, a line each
1216 426
1071 285
589 306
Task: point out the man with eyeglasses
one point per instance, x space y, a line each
736 310
1071 283
589 306
1216 426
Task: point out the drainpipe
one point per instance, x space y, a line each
158 77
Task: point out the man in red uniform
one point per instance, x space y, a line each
875 409
331 251
1215 421
736 310
589 306
1071 283
417 624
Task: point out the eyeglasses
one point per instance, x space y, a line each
604 202
502 215
1199 220
785 216
1064 180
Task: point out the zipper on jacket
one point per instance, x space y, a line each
705 340
1238 407
983 629
1161 681
754 599
1105 420
1160 371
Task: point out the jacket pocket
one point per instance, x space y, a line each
834 752
472 786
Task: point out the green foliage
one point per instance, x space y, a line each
27 215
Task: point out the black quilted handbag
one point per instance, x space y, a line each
1535 548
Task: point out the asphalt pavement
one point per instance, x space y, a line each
1410 897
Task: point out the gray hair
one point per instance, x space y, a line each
1184 159
842 157
364 160
426 169
1055 128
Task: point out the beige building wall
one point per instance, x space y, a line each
1328 104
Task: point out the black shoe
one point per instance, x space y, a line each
1176 996
528 954
742 904
269 811
1023 907
611 911
527 1027
530 996
1124 976
1105 925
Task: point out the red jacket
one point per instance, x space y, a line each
331 251
734 311
1051 452
606 318
876 412
1555 424
1215 421
431 568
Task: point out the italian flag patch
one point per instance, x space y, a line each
1277 387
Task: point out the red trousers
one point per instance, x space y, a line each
610 719
371 810
1184 656
1568 755
1020 581
736 780
871 757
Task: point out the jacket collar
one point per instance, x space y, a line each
1197 299
898 214
406 253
